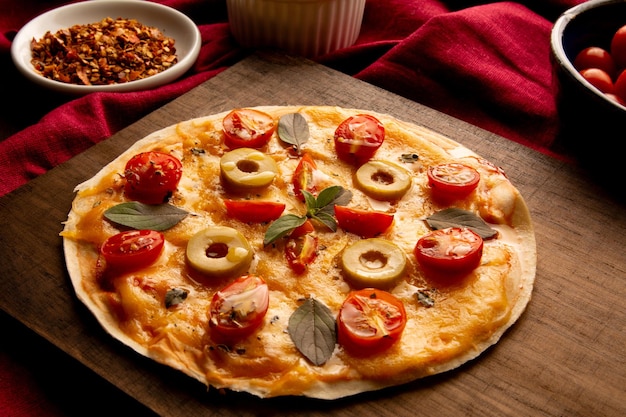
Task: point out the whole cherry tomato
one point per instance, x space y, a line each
301 247
595 57
454 250
365 223
304 177
238 309
152 177
620 87
132 249
599 79
453 179
370 321
247 128
358 138
618 48
254 211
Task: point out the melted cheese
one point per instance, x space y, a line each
464 316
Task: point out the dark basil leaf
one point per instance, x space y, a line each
293 129
174 296
312 330
282 227
424 298
144 216
327 220
456 217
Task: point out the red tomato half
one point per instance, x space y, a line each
599 79
358 138
365 223
132 249
370 321
238 309
595 57
152 177
453 179
304 176
253 211
454 250
301 247
247 128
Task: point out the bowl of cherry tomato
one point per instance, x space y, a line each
588 52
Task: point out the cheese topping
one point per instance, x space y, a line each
465 318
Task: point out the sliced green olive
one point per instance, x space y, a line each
383 180
219 251
248 168
373 262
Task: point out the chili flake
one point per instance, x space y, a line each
107 52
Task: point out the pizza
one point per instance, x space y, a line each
310 251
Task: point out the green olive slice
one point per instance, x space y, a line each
383 180
248 168
219 251
373 262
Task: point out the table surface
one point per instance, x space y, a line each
566 356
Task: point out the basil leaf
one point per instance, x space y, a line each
293 129
456 217
137 215
282 226
332 195
424 298
312 329
174 296
327 220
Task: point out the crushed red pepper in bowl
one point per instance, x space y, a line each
111 51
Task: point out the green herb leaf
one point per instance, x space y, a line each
282 227
424 298
143 216
321 209
409 158
312 330
293 129
456 217
327 220
174 296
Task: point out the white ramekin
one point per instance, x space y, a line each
303 27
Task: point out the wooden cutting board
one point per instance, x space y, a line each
566 356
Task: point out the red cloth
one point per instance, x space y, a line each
483 62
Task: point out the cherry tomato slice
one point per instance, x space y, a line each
304 176
253 211
303 229
358 138
453 179
238 309
152 177
370 321
365 223
132 249
301 247
247 128
454 250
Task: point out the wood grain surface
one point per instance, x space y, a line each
566 356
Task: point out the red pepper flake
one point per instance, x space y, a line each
107 52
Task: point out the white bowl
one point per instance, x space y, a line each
171 22
302 27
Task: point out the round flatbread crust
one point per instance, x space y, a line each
417 355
